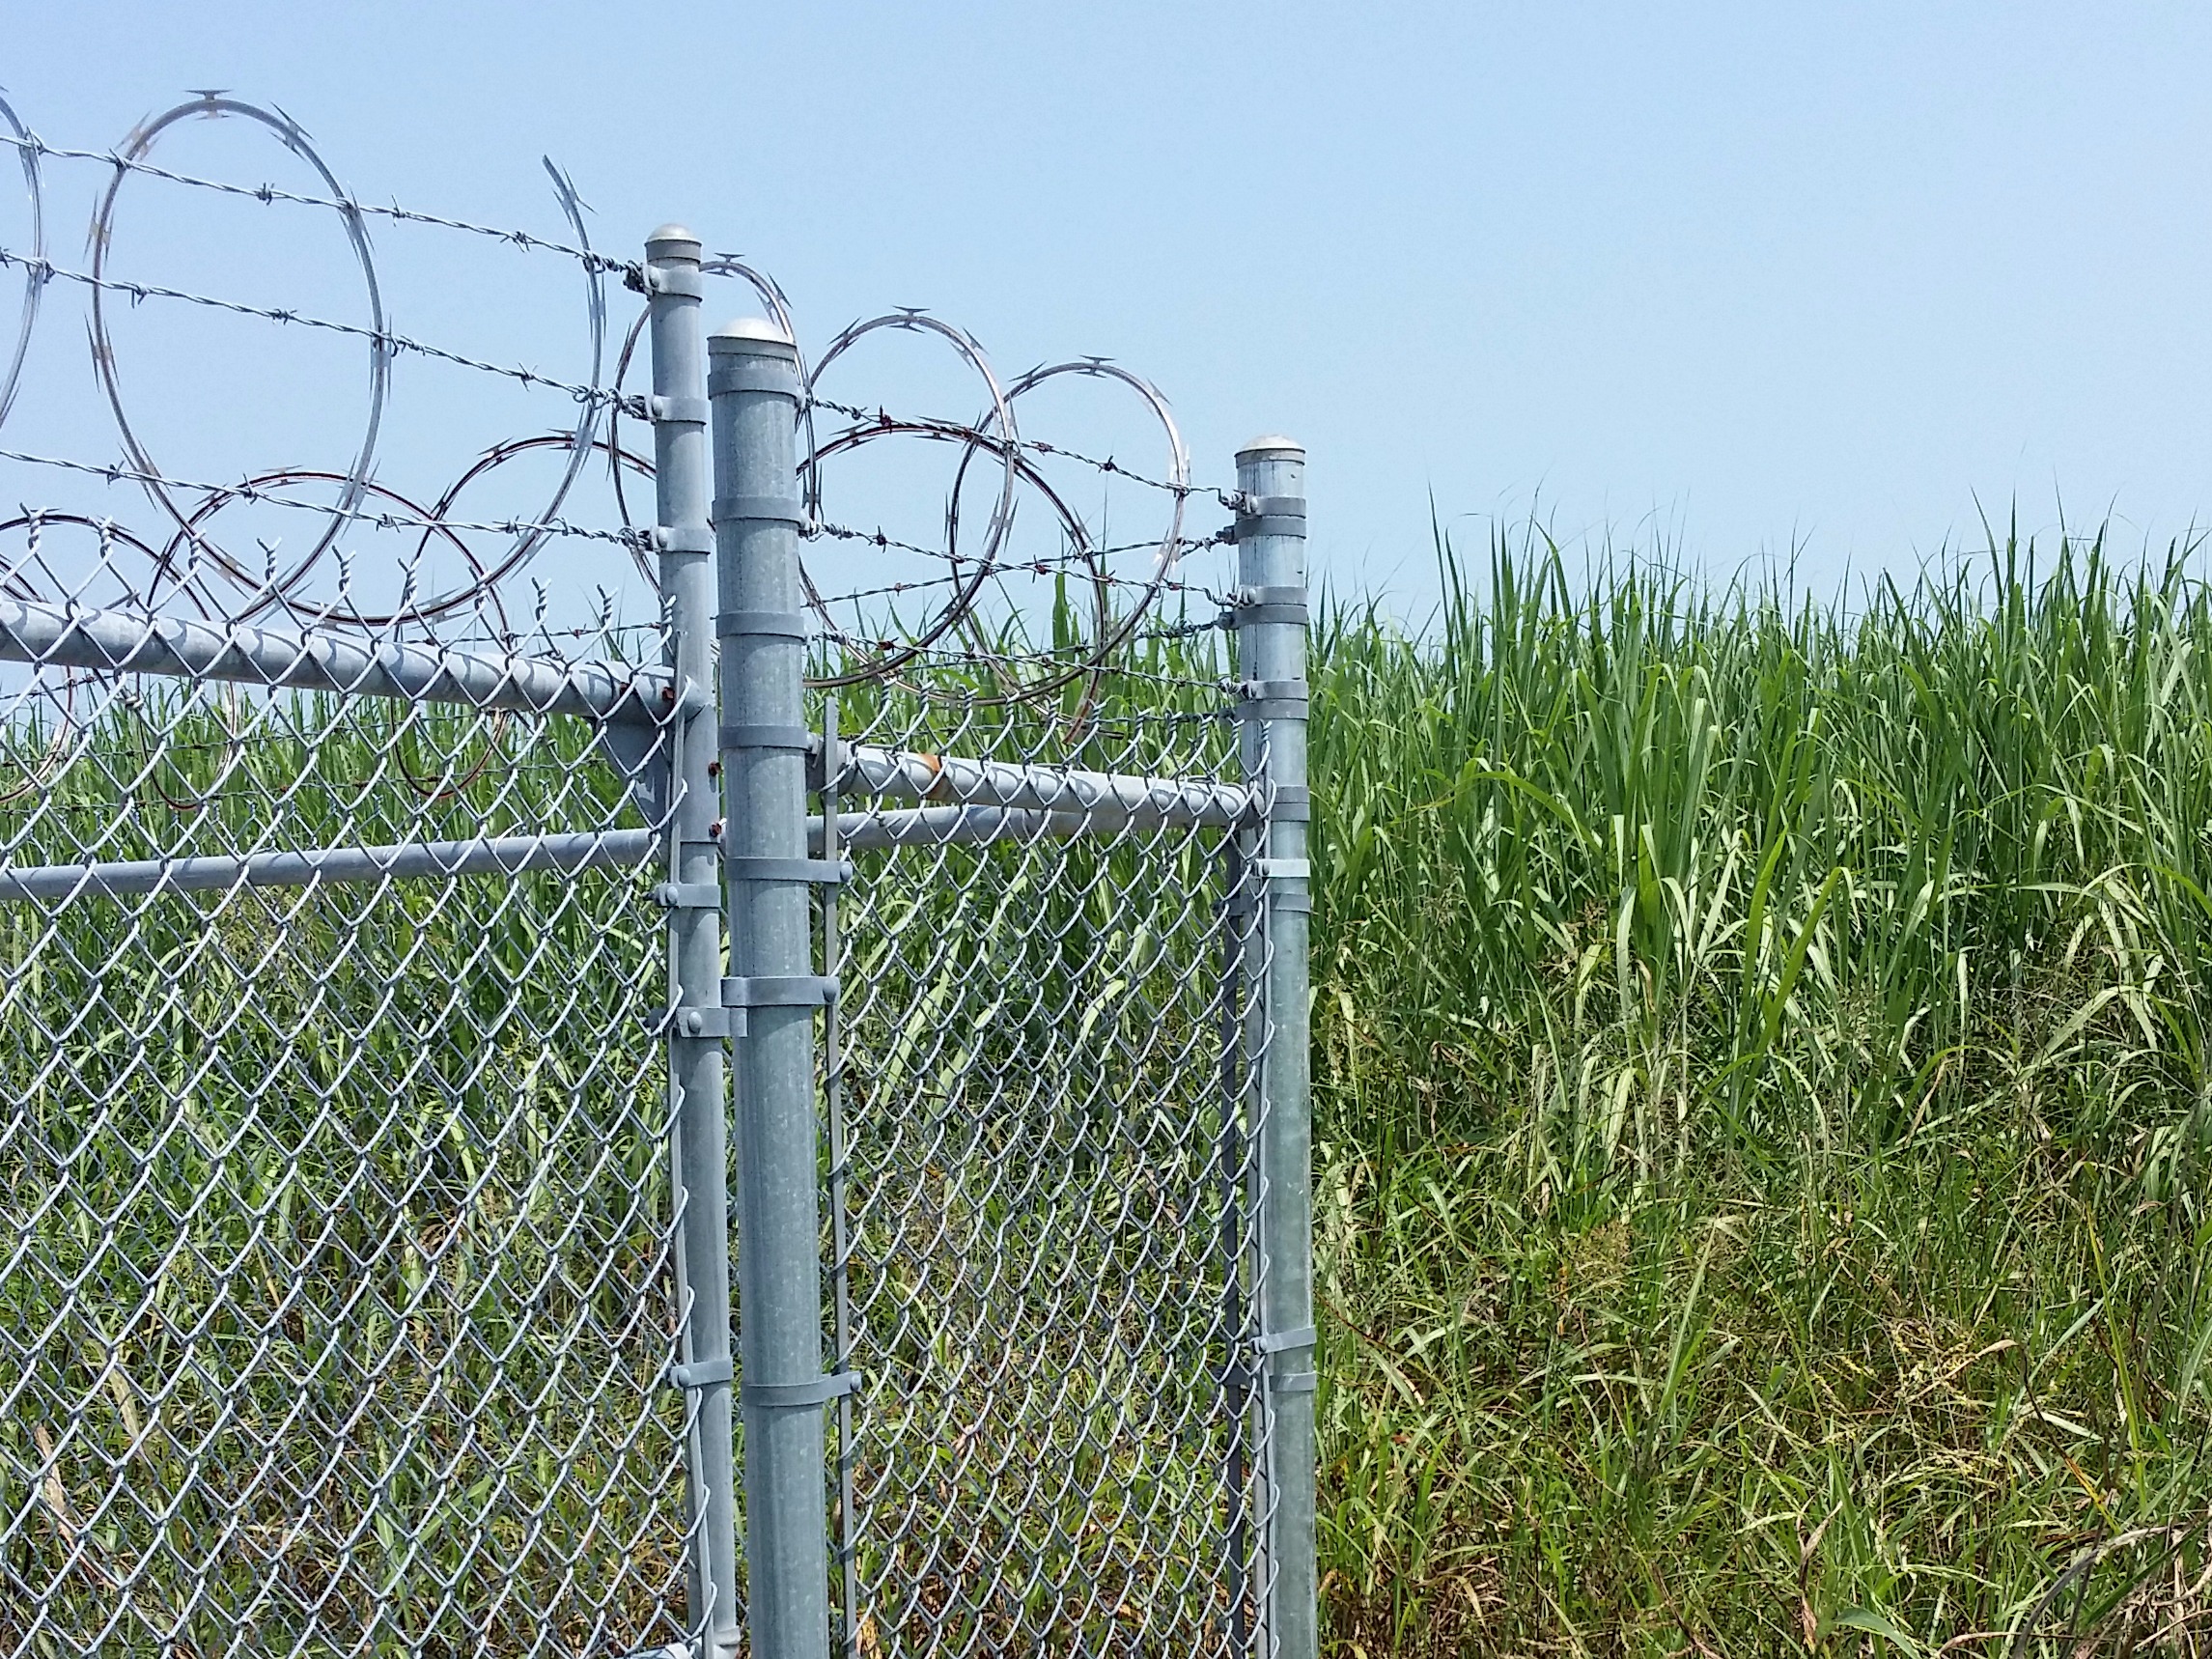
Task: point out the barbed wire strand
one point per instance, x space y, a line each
116 474
47 271
529 240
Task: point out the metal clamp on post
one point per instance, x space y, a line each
761 624
759 509
1270 516
1280 874
687 895
688 412
682 281
819 872
781 990
1270 700
743 375
1253 605
1299 1341
696 540
798 1396
700 1373
797 738
689 1022
1291 804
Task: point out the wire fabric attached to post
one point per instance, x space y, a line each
338 1311
334 1294
1045 1197
387 858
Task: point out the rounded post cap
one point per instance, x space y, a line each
1271 444
755 336
672 242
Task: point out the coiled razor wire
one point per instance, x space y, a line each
12 376
482 1131
191 562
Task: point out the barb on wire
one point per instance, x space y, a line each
1106 603
42 271
247 490
32 147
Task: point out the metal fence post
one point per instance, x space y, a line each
694 895
1271 641
752 385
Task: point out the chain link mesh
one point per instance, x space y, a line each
1042 1196
334 1288
340 1289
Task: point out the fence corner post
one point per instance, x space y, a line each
685 545
771 994
1271 658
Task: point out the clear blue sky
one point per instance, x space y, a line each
1741 275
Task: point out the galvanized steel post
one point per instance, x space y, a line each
1271 616
752 384
694 895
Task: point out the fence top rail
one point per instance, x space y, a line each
127 642
1110 800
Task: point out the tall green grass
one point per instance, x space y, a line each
1762 1106
1761 1082
333 1254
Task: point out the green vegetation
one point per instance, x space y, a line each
1762 1075
1762 1092
333 1259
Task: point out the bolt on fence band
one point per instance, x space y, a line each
585 1086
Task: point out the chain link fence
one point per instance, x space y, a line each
1038 1121
777 1126
335 1282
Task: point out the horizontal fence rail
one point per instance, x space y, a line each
426 997
1103 799
602 850
447 860
120 642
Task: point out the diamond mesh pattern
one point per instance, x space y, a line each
334 1232
1042 1196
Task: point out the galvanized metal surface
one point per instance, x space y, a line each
699 1094
368 1157
752 384
1035 1203
335 1287
140 642
1270 556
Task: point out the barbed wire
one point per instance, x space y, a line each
1122 607
1039 446
115 472
47 271
31 143
1036 565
